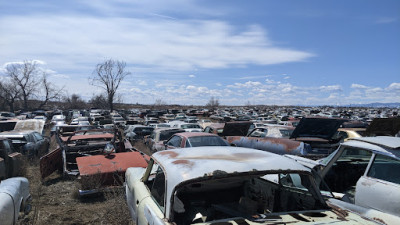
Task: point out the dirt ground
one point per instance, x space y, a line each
55 200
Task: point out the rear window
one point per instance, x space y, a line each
206 141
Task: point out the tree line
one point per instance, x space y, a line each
25 86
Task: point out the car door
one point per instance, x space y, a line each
145 196
379 187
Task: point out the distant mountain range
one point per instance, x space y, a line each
376 105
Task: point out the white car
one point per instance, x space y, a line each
14 198
227 185
365 171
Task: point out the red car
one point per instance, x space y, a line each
194 139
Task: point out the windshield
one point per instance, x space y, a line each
206 141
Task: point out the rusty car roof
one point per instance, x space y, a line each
181 165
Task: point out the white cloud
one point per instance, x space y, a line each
178 45
192 76
331 88
358 86
394 86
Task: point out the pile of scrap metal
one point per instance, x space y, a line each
99 157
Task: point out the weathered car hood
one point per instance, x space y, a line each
236 128
36 125
384 126
336 215
315 127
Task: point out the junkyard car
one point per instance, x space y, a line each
14 198
366 170
136 132
227 185
27 137
155 141
27 142
320 133
194 139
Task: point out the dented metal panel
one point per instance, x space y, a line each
51 162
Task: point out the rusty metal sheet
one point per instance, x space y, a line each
51 162
110 169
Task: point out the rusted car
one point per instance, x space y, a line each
194 139
76 144
228 185
364 171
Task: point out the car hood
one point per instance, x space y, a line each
314 127
384 126
236 128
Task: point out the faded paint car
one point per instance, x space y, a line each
366 171
155 141
227 185
194 139
14 198
27 137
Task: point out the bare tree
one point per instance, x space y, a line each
213 102
50 91
108 76
28 82
9 94
25 78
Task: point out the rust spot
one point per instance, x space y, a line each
340 212
183 162
379 220
169 153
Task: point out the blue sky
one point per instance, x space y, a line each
183 52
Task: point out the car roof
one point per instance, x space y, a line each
195 134
185 164
385 145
